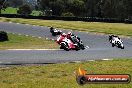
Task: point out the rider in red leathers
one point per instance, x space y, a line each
61 38
72 36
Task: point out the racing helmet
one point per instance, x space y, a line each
63 34
69 33
51 28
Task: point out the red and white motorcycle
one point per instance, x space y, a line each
67 44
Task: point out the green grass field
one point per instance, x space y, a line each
62 75
96 27
11 10
27 42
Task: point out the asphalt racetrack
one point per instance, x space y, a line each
98 47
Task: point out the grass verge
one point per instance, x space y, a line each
98 27
11 10
27 42
62 75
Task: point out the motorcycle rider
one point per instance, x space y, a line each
111 37
114 39
71 36
72 40
61 37
53 29
68 36
76 40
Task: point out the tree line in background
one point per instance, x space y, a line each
82 8
89 8
23 7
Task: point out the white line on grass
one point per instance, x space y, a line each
27 35
90 60
33 36
10 22
106 59
19 34
26 24
77 61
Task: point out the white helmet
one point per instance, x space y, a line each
63 34
69 33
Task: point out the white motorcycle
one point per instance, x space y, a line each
117 42
55 32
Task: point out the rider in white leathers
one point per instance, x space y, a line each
115 40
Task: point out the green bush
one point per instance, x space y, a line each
3 36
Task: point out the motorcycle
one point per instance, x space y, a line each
77 41
117 43
55 32
67 45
